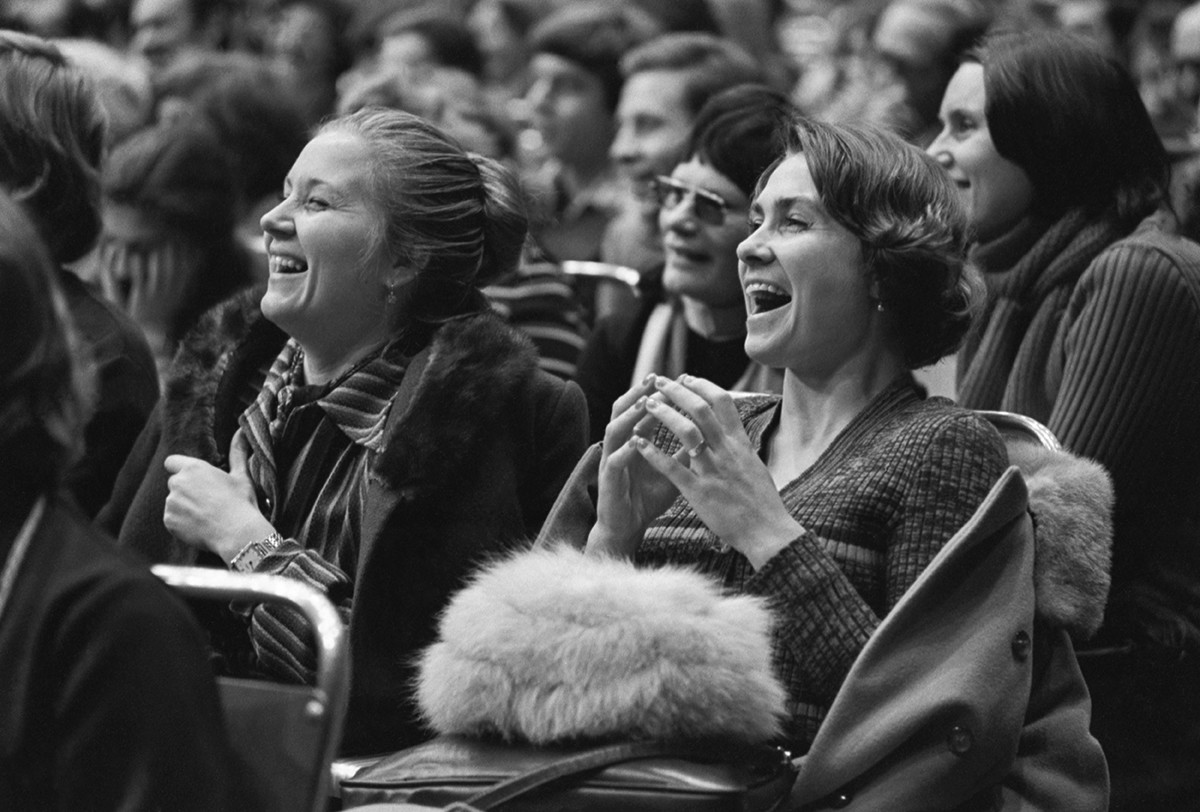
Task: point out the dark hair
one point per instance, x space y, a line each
906 213
51 142
178 174
739 132
450 42
709 64
458 219
1072 118
259 124
45 392
595 35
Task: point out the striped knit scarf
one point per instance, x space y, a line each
1025 299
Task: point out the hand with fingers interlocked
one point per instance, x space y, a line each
716 470
210 508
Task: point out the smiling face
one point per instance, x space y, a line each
806 287
701 257
329 267
569 110
996 191
653 124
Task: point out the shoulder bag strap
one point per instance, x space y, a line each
571 765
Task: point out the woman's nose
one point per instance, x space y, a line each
680 217
940 152
753 250
276 220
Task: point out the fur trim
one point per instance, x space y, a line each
1071 499
552 645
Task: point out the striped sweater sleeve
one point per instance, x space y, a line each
281 635
1130 361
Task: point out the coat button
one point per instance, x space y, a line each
960 740
1021 645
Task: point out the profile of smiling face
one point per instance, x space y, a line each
806 287
701 257
329 266
996 191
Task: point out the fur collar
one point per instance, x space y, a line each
475 363
552 645
1071 499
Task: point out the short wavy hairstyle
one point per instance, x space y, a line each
45 389
52 139
913 228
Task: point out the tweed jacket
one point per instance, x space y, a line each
477 446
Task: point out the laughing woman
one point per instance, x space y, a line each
838 493
368 427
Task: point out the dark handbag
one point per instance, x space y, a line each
472 774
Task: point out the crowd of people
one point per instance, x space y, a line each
369 293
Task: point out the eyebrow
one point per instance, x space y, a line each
782 203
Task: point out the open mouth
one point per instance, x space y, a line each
764 297
687 254
286 265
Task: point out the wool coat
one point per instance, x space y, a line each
478 443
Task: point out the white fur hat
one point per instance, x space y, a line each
552 645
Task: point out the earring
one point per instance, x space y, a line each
391 294
879 306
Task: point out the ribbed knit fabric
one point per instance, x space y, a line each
539 301
1109 358
878 504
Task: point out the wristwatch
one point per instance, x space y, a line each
248 557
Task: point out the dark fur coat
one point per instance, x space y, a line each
478 444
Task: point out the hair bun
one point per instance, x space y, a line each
506 219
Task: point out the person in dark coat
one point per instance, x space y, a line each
52 137
367 424
107 701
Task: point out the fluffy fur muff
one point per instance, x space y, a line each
1071 499
553 646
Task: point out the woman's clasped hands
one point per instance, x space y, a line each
715 469
213 509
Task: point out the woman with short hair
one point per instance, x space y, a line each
369 427
1093 327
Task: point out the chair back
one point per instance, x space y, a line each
1017 428
284 736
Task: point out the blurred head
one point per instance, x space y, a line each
431 42
575 77
52 137
1064 114
165 29
667 80
122 84
45 395
501 29
386 222
704 202
857 247
921 41
1185 53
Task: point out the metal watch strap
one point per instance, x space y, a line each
249 557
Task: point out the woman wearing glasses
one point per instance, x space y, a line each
698 323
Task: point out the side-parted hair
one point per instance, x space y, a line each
708 62
45 389
458 219
739 132
595 35
913 228
1072 118
52 132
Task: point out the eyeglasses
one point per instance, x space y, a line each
708 207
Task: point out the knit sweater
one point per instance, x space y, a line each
877 506
1097 335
